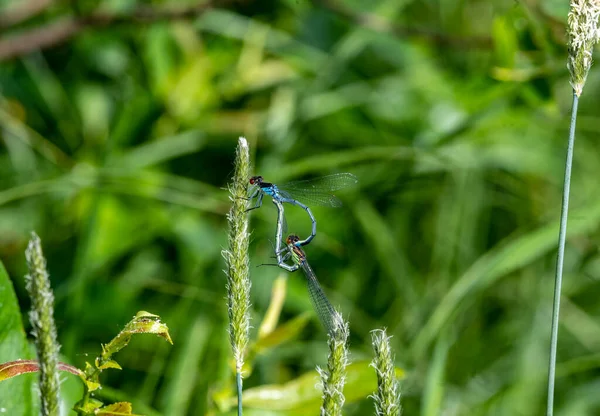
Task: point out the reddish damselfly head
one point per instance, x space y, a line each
256 180
292 239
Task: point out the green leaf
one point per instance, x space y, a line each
393 260
182 376
283 333
143 323
110 364
165 149
434 390
121 408
505 42
17 394
90 407
114 217
342 158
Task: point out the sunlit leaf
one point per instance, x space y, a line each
143 323
115 409
17 396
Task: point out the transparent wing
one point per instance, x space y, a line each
323 307
312 198
318 191
329 183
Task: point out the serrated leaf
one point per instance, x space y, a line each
143 323
16 395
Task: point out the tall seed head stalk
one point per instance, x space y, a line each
236 257
387 397
44 328
583 34
334 378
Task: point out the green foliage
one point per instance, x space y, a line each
17 395
118 144
143 323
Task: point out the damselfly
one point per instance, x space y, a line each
313 191
325 311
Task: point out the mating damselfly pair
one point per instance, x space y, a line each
302 193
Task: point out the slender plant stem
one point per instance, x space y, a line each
238 376
560 258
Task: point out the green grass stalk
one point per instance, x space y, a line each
562 233
583 34
44 328
238 269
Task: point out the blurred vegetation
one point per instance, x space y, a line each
118 142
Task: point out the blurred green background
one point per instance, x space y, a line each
117 147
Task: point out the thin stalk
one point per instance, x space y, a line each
238 377
582 34
562 233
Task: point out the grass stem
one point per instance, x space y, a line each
560 258
238 378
